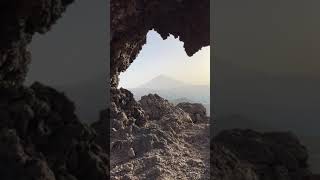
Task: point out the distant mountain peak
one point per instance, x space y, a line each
163 76
162 82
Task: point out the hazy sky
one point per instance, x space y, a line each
267 64
73 57
167 57
75 49
275 36
279 39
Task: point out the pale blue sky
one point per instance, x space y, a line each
167 57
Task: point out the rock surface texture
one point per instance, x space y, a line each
196 111
168 146
41 138
132 19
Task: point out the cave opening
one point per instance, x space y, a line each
71 58
162 67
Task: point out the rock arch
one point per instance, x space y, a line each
130 22
132 19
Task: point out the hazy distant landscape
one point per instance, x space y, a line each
175 91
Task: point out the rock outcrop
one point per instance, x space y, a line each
196 111
124 110
226 166
132 19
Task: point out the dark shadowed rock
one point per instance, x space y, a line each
17 163
20 20
272 156
42 137
102 127
226 166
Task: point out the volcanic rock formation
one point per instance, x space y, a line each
196 111
226 166
132 19
168 146
41 137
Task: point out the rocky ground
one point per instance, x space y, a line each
169 145
153 139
